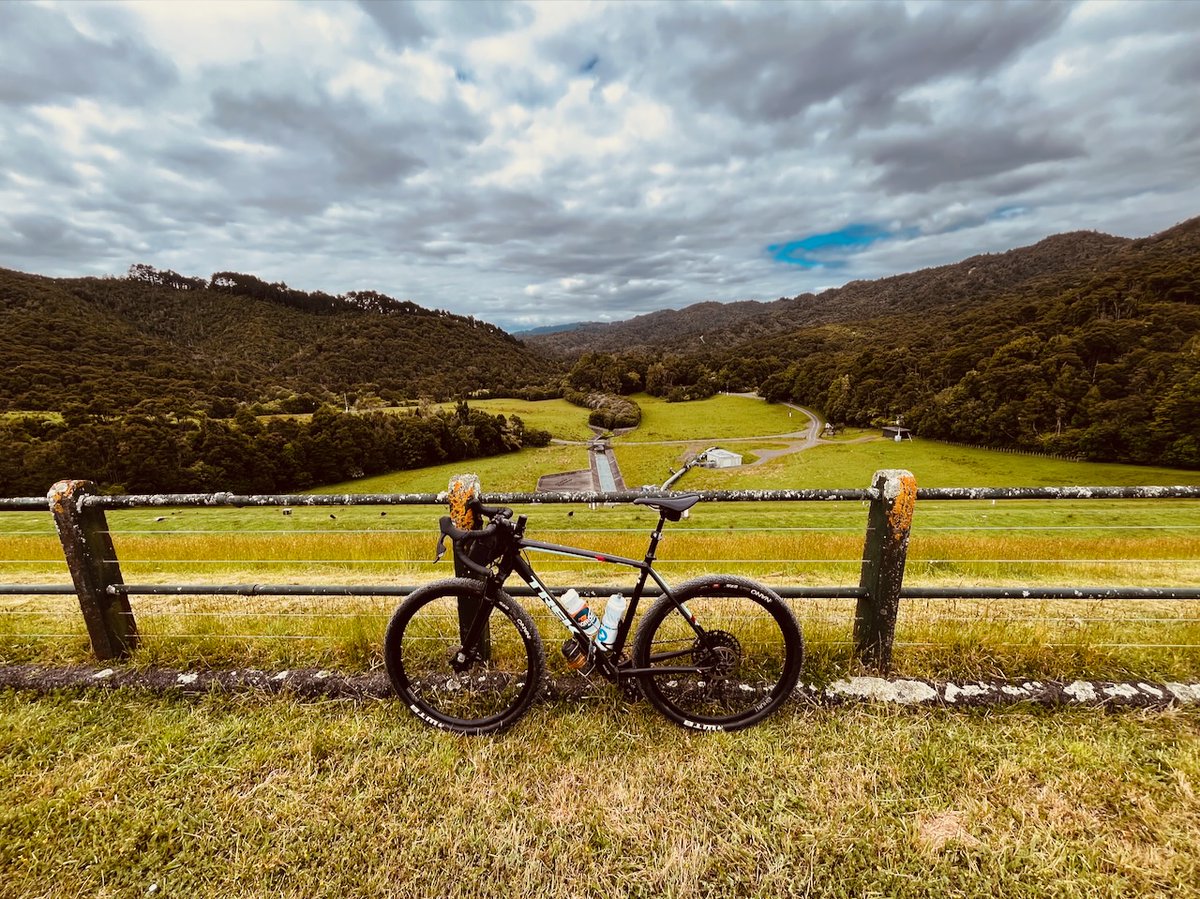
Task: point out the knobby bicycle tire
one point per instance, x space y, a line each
752 650
484 695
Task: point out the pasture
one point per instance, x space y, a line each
1062 543
560 418
719 417
125 795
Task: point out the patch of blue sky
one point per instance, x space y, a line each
828 250
1008 212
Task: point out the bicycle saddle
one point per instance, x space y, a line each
669 507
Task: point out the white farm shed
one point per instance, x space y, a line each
720 458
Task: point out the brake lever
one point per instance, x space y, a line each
441 549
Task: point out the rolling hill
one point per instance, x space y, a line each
976 279
209 345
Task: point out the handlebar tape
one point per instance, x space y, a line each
460 535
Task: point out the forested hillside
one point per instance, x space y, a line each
208 345
1105 366
975 279
1083 345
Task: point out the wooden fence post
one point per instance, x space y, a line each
889 523
88 548
462 489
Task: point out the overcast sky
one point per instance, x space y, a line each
532 164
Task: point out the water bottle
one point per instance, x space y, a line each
579 657
581 613
611 620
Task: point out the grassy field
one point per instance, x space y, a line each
1144 543
518 472
1065 543
560 418
116 795
716 417
934 464
121 795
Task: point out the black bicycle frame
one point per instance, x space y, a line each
513 562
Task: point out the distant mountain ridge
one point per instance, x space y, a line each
549 329
977 278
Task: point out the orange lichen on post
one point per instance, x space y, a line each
60 493
900 515
462 490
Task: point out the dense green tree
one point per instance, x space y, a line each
155 454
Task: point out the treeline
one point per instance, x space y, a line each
316 302
676 377
609 411
148 453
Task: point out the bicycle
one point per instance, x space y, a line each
719 652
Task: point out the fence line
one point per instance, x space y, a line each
103 592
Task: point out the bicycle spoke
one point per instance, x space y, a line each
747 656
462 688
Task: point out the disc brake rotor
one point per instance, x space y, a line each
719 652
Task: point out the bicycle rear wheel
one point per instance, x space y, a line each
749 651
466 689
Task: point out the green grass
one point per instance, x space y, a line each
560 418
717 417
934 464
109 794
1016 543
517 472
650 464
1077 542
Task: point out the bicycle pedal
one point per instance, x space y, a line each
631 690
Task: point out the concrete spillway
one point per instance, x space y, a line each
605 473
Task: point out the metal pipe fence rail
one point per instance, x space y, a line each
103 592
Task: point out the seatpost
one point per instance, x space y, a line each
654 538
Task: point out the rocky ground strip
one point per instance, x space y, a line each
319 684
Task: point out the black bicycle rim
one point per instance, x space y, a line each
750 653
488 691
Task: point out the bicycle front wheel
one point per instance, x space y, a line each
468 689
727 664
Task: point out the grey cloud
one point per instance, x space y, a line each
409 24
1184 68
43 236
30 151
329 150
399 21
920 162
46 59
478 18
863 55
787 120
1146 17
359 150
